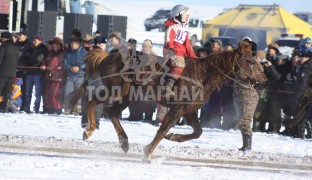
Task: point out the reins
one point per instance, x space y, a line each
248 87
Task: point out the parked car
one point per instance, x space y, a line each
157 20
196 30
288 42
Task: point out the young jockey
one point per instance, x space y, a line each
177 45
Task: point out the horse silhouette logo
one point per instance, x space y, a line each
143 66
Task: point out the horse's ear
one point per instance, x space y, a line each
244 47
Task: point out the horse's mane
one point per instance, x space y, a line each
222 60
94 58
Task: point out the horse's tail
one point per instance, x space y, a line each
74 97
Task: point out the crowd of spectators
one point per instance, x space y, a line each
50 70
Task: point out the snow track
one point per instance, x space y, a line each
11 145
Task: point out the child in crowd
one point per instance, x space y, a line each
16 98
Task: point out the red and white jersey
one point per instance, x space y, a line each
176 37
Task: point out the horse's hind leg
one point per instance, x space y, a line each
91 120
170 119
114 112
192 120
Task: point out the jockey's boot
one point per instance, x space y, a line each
309 130
168 93
246 143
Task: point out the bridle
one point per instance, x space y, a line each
252 80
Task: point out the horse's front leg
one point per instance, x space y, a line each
114 113
192 120
170 119
91 120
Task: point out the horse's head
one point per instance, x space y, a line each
247 65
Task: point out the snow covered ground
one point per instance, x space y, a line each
36 146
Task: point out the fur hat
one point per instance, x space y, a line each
116 35
261 54
274 46
58 41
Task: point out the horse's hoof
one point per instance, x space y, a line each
85 135
125 147
169 136
147 157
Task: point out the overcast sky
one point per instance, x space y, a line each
289 5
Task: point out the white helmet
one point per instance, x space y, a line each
178 9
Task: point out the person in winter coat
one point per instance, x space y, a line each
304 81
23 43
33 60
246 98
176 46
54 78
74 65
276 98
8 62
307 47
94 80
115 43
16 97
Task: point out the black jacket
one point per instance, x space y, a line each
23 47
8 59
277 74
34 57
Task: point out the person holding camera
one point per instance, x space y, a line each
276 90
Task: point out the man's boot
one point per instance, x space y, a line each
78 109
168 93
4 108
301 130
246 143
308 126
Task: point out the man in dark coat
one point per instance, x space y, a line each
8 62
94 80
34 76
23 44
277 100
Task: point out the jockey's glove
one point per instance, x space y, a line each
171 52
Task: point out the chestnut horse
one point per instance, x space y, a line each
201 76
